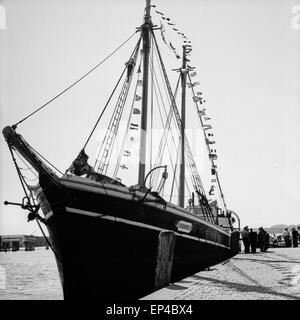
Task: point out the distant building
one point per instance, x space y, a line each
15 242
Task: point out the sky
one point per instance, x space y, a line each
247 57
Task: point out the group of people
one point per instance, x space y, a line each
291 237
261 239
252 239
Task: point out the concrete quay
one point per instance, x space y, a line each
271 275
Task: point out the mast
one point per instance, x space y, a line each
145 29
182 131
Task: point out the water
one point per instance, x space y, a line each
29 275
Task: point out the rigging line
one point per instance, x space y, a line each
195 175
155 178
171 109
161 157
74 83
221 191
151 131
47 240
28 168
36 219
124 90
166 127
197 107
115 88
26 194
163 190
169 119
187 186
212 161
127 126
45 159
108 129
164 137
158 159
175 180
122 113
105 152
174 176
175 195
162 76
167 42
31 180
18 171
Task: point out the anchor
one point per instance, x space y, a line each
33 209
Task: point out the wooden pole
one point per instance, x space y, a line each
164 258
182 133
145 29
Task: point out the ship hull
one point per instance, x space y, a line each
108 246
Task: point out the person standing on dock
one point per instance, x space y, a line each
246 239
287 238
253 240
261 239
295 236
266 240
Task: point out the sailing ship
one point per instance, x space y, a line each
136 239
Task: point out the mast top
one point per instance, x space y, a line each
147 11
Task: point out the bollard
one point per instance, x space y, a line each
164 259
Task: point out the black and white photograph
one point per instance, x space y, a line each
150 151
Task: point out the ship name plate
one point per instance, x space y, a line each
184 226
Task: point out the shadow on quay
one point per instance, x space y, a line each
270 260
177 286
180 284
289 259
245 287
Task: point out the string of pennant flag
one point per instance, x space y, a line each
196 98
173 27
133 126
208 135
171 24
169 44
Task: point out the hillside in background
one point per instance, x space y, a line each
279 228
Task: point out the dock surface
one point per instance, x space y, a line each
271 275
